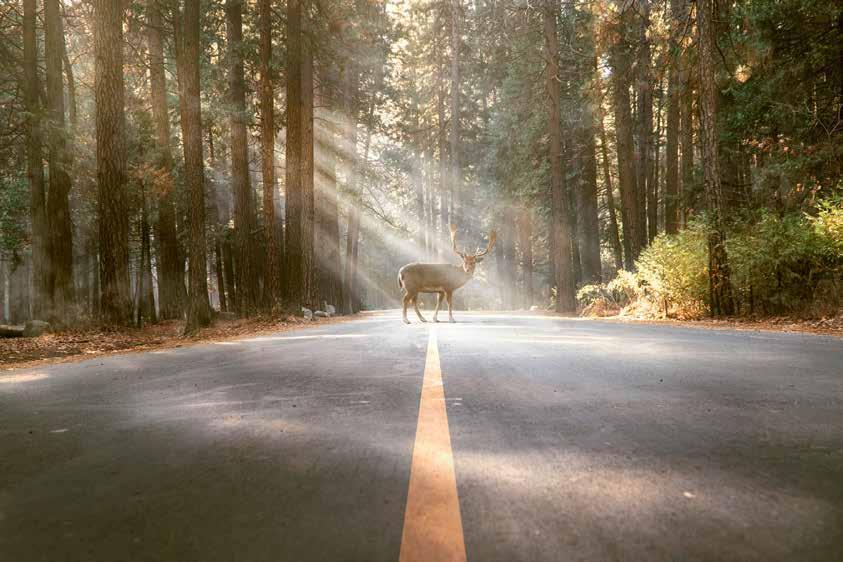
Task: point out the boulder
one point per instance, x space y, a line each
330 309
321 314
34 328
307 313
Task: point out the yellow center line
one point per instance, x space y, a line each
432 522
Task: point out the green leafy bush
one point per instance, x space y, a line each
790 263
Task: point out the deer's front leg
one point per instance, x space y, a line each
439 296
405 302
416 307
450 297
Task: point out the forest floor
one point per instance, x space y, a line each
831 326
83 343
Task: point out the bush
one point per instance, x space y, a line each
790 263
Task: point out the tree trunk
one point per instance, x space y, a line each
630 215
588 225
171 291
614 237
244 215
454 140
58 205
644 130
272 280
560 226
199 310
42 297
294 219
719 283
686 116
444 184
109 93
671 185
307 166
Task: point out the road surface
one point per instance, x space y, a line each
503 437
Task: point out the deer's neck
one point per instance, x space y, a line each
461 276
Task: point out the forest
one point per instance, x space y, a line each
183 159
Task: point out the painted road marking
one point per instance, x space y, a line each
432 522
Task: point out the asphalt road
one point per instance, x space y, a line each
569 440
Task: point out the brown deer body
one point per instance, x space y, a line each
440 278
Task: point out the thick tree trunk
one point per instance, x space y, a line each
645 190
146 308
199 310
42 297
560 225
588 225
686 110
625 151
671 185
58 204
244 213
310 278
171 291
719 283
294 219
272 281
614 236
109 94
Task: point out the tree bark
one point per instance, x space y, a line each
588 225
560 225
171 291
309 272
719 282
294 235
199 309
42 297
109 94
647 208
350 80
618 60
614 236
671 185
58 204
272 279
244 215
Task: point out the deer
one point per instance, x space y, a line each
440 278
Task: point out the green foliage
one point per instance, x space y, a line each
14 215
790 263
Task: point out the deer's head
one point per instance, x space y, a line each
470 261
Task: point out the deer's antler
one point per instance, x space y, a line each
493 236
454 240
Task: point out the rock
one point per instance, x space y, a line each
321 314
34 328
534 307
330 309
307 313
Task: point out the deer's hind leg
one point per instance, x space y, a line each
439 296
416 307
405 301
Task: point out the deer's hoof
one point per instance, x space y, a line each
405 321
452 321
436 320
